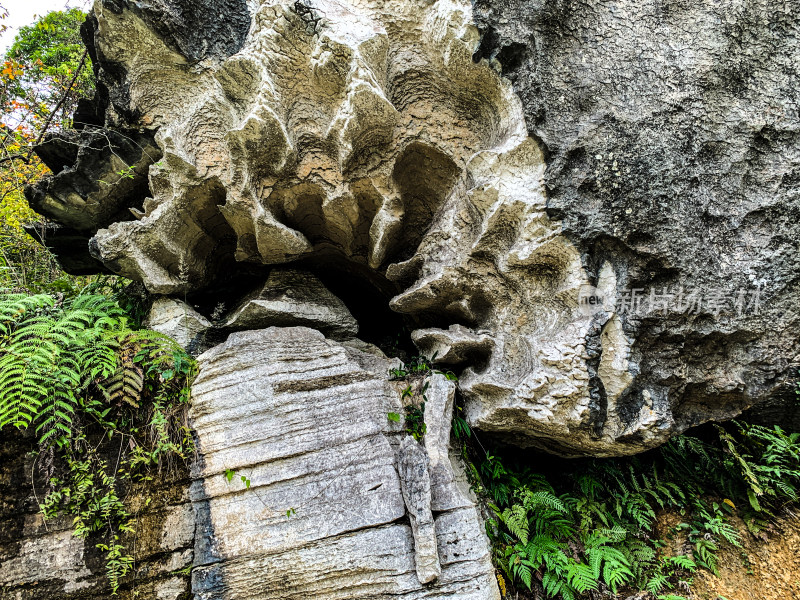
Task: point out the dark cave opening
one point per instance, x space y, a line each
364 291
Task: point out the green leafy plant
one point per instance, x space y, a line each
414 396
461 428
230 474
415 421
83 379
590 529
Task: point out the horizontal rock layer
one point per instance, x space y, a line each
41 560
304 421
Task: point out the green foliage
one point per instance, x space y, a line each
50 52
415 421
42 78
53 40
461 428
589 529
118 563
26 265
230 473
414 396
76 372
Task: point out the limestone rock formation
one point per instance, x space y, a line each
331 480
608 248
179 321
673 139
589 211
292 297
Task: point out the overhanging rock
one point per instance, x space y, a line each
380 137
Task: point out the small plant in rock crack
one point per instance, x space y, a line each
461 428
230 473
414 395
419 366
415 421
414 412
127 172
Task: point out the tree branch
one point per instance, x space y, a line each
61 102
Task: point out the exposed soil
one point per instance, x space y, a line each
767 567
773 572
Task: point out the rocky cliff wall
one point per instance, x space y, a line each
606 248
672 134
44 561
587 210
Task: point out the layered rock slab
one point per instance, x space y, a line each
304 420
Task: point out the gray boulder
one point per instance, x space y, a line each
293 298
181 322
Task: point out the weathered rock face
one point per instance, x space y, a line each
331 480
45 561
611 255
605 244
673 139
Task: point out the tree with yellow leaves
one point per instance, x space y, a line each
42 77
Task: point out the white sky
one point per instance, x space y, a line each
24 12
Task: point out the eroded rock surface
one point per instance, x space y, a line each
673 139
380 137
331 480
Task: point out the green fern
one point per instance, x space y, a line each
516 520
64 364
